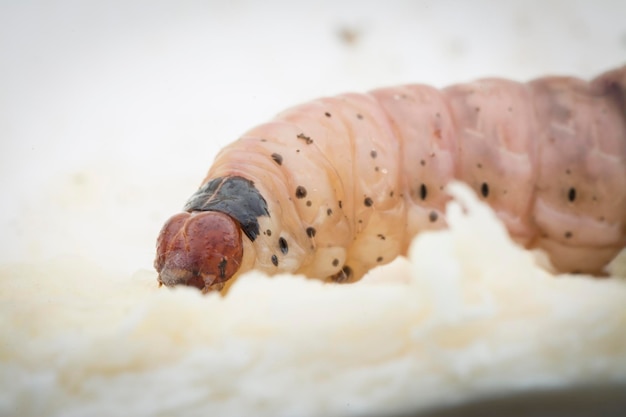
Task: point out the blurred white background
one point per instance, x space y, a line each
111 112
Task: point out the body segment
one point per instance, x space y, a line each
348 181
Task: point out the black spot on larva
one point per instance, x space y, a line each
275 260
278 158
568 234
423 191
340 204
310 231
379 259
359 116
234 196
433 216
390 193
222 268
282 244
479 165
368 202
308 203
329 212
422 162
305 138
300 192
335 262
568 172
263 140
376 169
373 153
571 194
343 275
484 189
381 236
327 114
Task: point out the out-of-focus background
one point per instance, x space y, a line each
111 112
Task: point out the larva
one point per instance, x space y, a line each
336 186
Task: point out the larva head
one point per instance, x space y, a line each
199 249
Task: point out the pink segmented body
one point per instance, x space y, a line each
348 181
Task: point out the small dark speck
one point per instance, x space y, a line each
376 169
379 259
477 109
567 171
300 192
479 165
571 194
222 267
390 193
348 36
373 153
433 216
282 244
422 162
305 138
277 158
359 116
381 236
423 191
568 235
329 212
310 231
343 275
308 203
268 232
263 140
275 260
340 204
368 202
327 114
335 262
484 189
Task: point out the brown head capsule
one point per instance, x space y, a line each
199 249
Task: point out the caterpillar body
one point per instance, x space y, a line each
336 186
